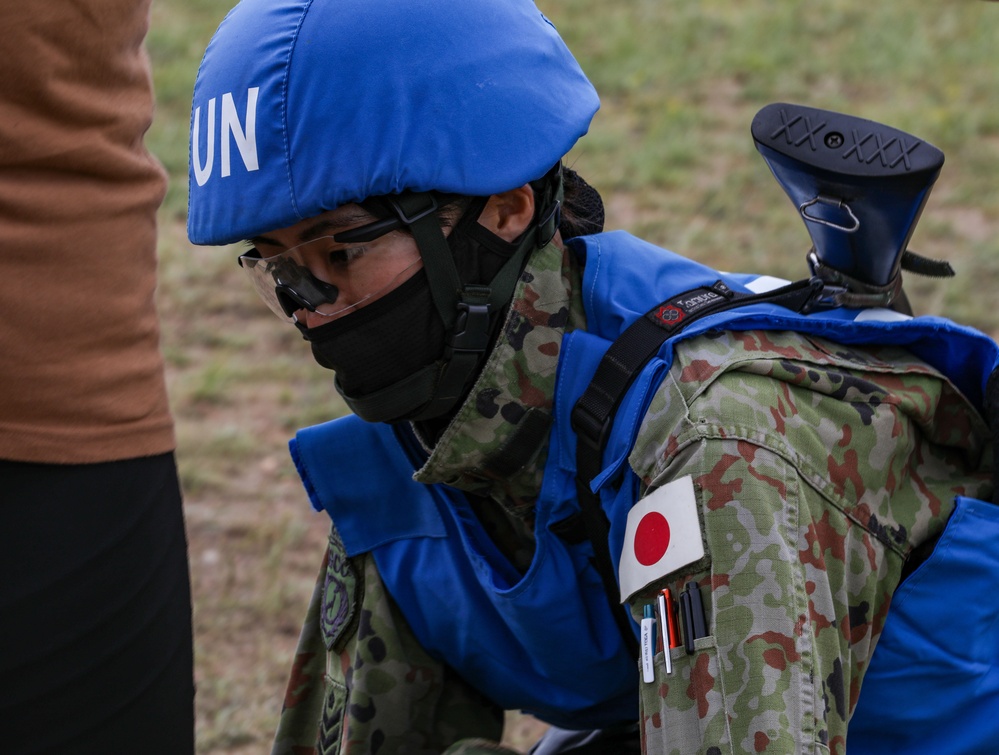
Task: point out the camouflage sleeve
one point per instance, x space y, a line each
361 683
816 469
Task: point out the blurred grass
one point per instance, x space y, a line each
671 152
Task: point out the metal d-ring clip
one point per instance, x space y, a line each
837 203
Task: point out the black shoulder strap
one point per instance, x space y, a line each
593 414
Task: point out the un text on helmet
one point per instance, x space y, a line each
245 136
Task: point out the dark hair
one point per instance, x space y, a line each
582 207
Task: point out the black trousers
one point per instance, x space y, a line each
95 609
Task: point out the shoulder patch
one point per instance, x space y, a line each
342 591
663 534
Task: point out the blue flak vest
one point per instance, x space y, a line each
544 642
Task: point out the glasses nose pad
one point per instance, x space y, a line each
308 292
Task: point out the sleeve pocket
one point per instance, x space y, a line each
682 710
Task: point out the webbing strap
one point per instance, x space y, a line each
591 417
593 413
418 213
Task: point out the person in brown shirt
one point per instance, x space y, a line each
95 610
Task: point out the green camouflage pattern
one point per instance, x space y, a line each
378 691
360 682
518 376
817 469
304 697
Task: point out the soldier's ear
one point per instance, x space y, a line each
509 214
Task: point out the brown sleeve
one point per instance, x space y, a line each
81 376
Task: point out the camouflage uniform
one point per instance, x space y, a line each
817 469
362 684
805 540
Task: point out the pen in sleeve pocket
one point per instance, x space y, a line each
664 603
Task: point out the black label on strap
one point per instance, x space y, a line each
670 314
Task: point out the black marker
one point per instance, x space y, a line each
687 622
692 616
698 623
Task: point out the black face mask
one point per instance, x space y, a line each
383 343
390 357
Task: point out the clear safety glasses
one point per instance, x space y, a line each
328 277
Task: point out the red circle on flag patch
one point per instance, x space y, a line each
651 538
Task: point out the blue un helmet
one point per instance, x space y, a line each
302 106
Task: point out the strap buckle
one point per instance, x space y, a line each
471 329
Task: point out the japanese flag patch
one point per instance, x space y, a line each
663 534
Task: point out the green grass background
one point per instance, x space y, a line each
670 151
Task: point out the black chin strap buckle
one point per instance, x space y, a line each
471 329
466 346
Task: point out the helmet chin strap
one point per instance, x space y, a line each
468 310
